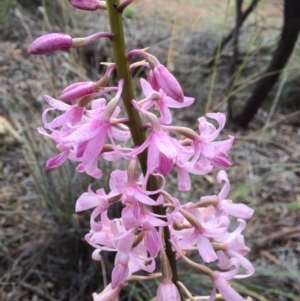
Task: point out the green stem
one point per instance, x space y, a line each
135 122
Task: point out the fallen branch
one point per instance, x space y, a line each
269 240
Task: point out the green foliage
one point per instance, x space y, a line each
295 205
5 6
129 12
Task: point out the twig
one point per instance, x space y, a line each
38 291
278 236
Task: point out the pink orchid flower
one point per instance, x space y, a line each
73 114
162 102
221 284
207 150
88 139
199 232
160 146
131 189
234 247
236 210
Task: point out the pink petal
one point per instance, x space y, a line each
183 178
152 241
59 105
111 156
72 116
166 115
165 164
57 160
90 200
207 130
120 135
164 144
146 87
171 103
98 104
93 149
228 293
237 210
222 176
245 263
124 244
131 215
205 249
224 262
89 131
153 159
118 181
143 198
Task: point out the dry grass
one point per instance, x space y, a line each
42 256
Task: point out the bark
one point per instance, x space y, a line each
290 32
230 35
235 57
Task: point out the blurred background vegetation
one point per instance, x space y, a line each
42 253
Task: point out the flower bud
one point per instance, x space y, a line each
108 293
77 90
50 42
168 83
90 5
59 41
167 292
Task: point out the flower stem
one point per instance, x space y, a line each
135 122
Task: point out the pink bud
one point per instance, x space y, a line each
167 292
59 41
90 5
77 90
108 294
50 42
168 83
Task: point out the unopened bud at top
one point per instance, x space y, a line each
90 5
59 41
50 42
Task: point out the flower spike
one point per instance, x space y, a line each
150 222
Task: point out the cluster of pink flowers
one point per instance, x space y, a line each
90 130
